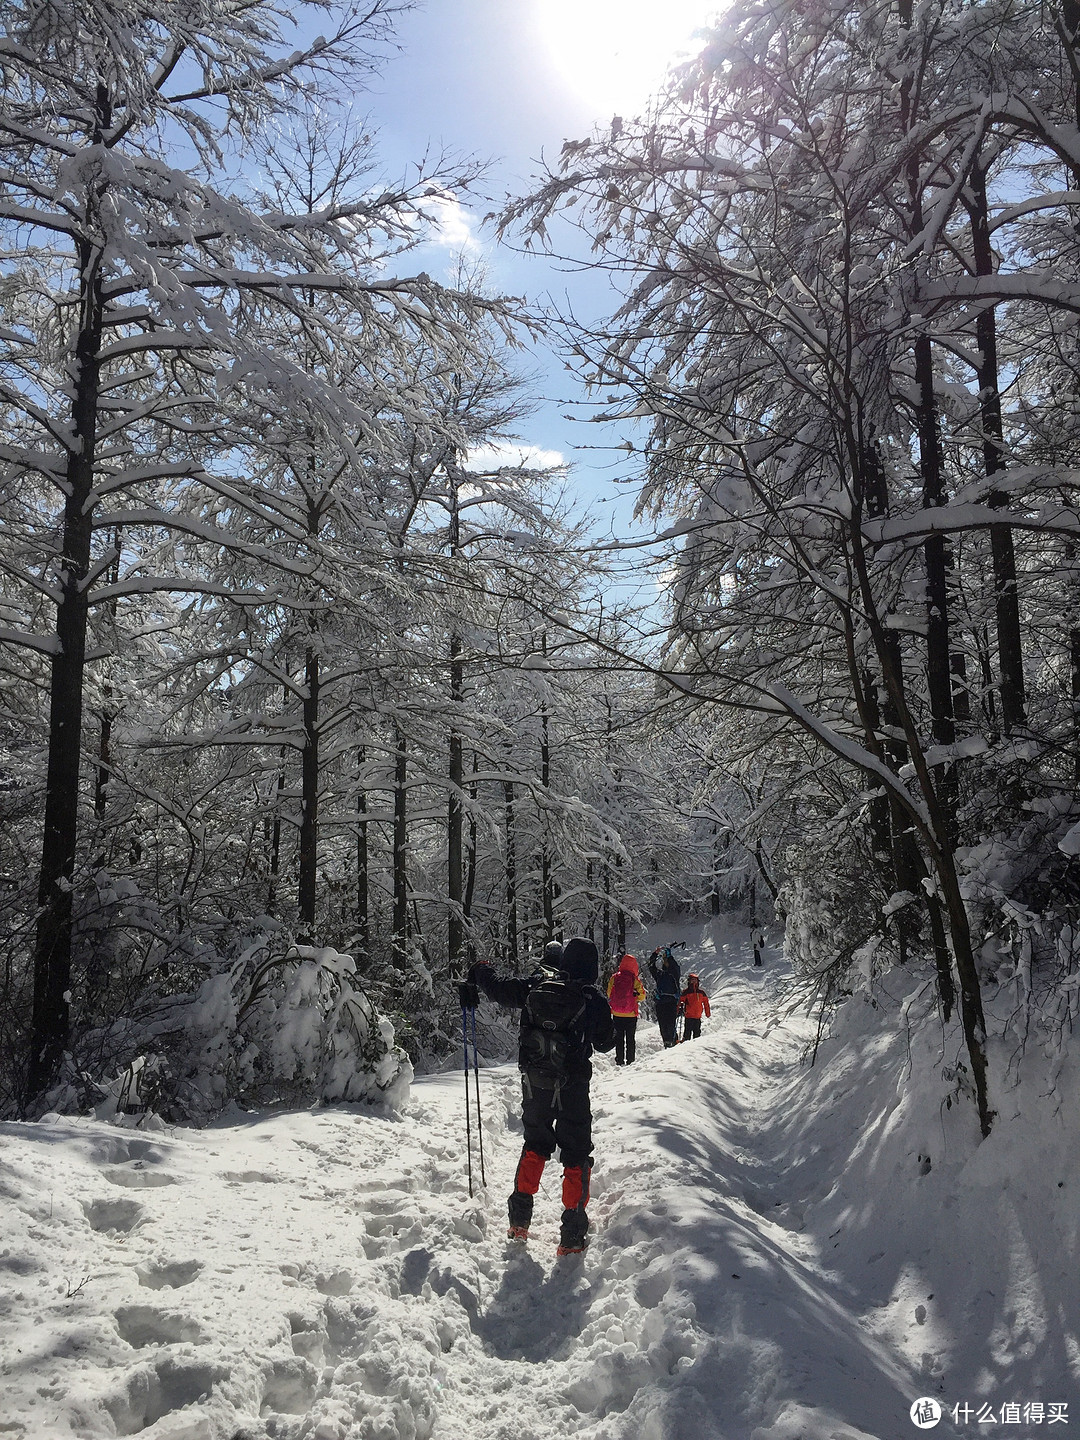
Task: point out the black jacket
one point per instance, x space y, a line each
668 978
580 962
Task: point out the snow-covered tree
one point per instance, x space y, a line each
149 295
818 232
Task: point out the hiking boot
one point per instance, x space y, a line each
518 1232
573 1247
520 1210
573 1232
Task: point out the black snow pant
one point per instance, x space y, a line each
691 1028
625 1038
666 1006
551 1118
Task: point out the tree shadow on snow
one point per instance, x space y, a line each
976 1266
773 1325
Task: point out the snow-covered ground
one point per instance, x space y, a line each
778 1254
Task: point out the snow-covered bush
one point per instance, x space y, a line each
277 1023
834 902
290 1026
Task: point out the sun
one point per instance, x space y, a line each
614 53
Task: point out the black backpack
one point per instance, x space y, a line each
553 1031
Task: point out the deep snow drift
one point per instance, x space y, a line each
779 1253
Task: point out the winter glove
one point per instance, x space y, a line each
468 994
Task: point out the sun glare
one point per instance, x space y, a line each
614 53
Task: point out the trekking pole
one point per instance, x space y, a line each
476 1075
468 1113
468 995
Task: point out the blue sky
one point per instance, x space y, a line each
509 80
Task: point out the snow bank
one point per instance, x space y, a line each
963 1251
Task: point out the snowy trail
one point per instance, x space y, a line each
325 1275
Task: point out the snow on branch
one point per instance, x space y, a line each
44 644
947 519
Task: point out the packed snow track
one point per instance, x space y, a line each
324 1275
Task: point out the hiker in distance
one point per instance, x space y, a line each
563 1019
625 993
666 975
693 1003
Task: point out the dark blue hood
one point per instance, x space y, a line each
581 961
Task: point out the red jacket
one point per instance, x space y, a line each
625 990
693 1001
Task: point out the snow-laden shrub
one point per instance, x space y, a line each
291 1027
284 1024
1021 886
835 905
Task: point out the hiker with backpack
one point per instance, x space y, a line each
666 976
564 1018
625 993
693 1003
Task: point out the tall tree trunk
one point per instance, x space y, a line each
620 914
1068 27
104 763
878 809
1006 596
50 1021
937 837
931 465
590 913
275 838
547 895
279 803
938 668
363 902
986 677
470 873
455 927
309 797
511 876
400 912
455 924
887 701
755 926
605 922
547 890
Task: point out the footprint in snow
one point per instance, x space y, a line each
119 1215
120 1149
289 1386
309 1338
337 1282
137 1176
152 1391
168 1274
142 1325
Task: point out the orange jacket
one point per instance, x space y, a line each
630 996
693 1002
